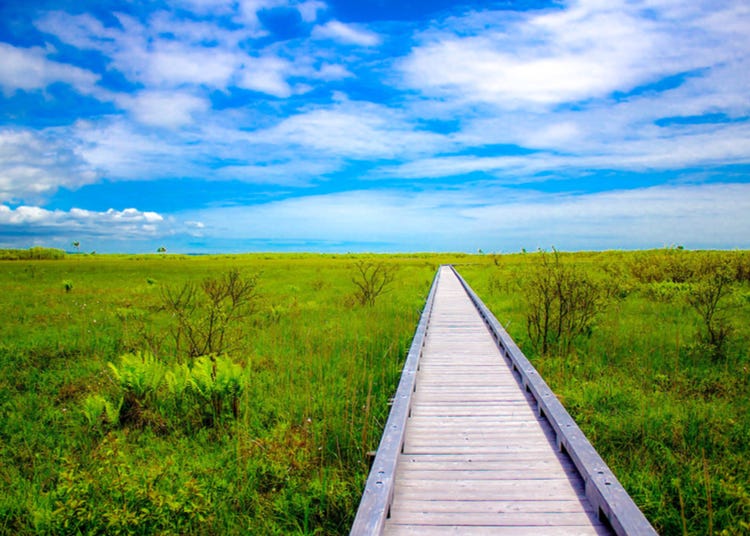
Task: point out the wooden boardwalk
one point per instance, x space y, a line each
476 455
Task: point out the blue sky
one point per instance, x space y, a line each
276 125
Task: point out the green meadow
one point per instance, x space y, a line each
243 394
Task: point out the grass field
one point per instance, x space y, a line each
271 435
316 370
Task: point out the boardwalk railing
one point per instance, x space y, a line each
613 505
376 499
603 489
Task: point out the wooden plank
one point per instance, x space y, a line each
497 519
489 506
473 491
459 530
494 461
543 472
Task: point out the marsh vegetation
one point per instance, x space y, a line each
241 393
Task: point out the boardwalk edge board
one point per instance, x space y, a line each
615 507
376 500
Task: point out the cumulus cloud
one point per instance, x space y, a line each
117 224
29 69
166 52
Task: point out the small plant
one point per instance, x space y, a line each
98 411
217 380
139 376
371 279
67 285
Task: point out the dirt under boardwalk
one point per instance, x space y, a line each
477 458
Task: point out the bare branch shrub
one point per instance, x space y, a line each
204 315
371 279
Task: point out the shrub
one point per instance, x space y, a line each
708 297
205 315
562 303
35 253
671 264
371 279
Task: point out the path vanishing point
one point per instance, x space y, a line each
477 443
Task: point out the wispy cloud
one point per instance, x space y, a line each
588 50
500 220
353 129
346 33
30 69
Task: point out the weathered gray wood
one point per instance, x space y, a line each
458 530
469 412
469 449
376 499
492 506
498 519
602 487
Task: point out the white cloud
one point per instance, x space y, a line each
29 69
308 10
173 64
266 75
586 50
169 53
712 215
353 129
34 165
330 71
164 108
118 224
346 33
297 170
122 151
